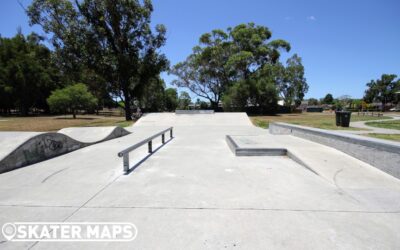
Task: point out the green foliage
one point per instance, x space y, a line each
203 105
293 85
356 104
254 95
328 99
236 98
223 59
151 96
113 39
171 99
383 90
261 123
184 100
313 102
27 73
73 98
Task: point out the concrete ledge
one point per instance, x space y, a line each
248 151
382 154
190 112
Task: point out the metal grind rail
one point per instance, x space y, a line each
125 153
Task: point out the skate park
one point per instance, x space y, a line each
199 125
285 191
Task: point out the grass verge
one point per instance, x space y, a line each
315 120
392 137
394 124
54 123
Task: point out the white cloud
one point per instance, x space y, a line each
311 18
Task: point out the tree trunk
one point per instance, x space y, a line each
74 114
128 111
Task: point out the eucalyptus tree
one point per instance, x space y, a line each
383 90
224 58
112 38
204 72
293 86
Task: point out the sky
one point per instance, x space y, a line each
343 44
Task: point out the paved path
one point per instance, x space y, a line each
371 129
193 193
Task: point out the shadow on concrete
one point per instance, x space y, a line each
146 157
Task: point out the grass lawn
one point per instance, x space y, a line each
54 123
394 124
395 137
317 120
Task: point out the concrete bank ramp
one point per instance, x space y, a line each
200 119
19 149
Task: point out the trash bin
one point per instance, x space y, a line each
343 118
337 118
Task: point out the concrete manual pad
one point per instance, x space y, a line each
194 193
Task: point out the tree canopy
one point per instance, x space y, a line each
383 90
72 98
184 100
225 57
241 66
171 99
292 85
328 99
27 73
114 39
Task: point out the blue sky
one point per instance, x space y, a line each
344 44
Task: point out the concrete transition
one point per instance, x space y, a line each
20 149
194 193
382 154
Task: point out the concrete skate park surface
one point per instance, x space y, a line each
382 154
19 149
194 193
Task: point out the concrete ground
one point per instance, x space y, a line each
193 193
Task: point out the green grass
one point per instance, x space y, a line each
261 123
394 124
54 123
124 124
392 137
316 120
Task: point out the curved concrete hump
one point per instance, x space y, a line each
196 119
93 134
19 149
